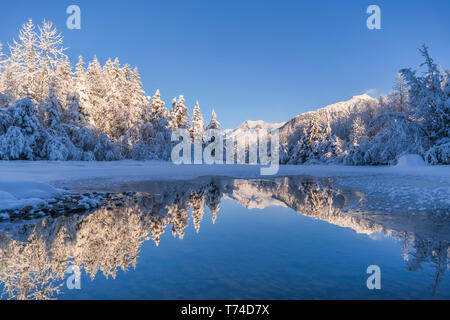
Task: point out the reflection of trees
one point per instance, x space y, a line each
27 271
34 257
434 252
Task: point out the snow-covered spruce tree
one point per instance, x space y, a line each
158 110
65 90
314 131
430 102
213 124
57 145
358 133
138 97
315 136
116 104
49 110
160 146
152 137
317 144
306 148
179 114
198 124
330 146
299 153
81 90
96 91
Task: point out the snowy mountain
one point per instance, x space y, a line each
339 115
250 125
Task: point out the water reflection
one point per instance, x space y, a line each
34 256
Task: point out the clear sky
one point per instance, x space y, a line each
250 60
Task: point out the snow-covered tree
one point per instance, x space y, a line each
198 124
51 52
81 90
330 147
24 62
24 135
430 99
96 113
358 132
179 114
299 153
400 95
158 110
213 124
314 131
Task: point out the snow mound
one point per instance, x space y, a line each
17 194
410 160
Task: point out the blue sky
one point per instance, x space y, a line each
268 60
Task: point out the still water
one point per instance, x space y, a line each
221 238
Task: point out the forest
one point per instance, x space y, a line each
51 110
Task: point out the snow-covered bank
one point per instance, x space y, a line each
101 175
20 194
128 170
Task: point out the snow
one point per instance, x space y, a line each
250 126
409 160
19 194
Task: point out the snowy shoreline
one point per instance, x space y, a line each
28 182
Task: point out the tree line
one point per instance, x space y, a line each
50 110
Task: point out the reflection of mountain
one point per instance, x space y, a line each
313 198
35 256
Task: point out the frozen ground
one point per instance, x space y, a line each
23 183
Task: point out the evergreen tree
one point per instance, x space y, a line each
179 114
213 124
198 125
301 152
81 90
158 110
314 131
96 91
358 131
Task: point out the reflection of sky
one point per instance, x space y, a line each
273 253
250 59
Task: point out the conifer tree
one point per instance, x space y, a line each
198 125
179 114
213 124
